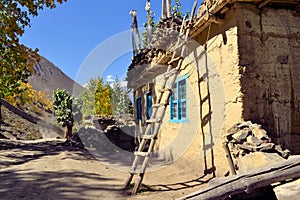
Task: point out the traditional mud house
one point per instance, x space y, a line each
242 63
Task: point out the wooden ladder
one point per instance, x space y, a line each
159 108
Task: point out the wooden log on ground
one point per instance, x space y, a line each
221 188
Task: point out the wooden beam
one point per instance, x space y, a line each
221 188
263 3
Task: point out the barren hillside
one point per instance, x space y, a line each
48 77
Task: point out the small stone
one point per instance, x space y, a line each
254 140
235 151
247 147
266 147
246 124
234 129
278 148
241 135
243 152
260 133
283 59
285 154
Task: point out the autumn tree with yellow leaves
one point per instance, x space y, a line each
29 97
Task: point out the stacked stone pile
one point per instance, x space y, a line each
247 137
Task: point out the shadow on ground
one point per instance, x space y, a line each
54 185
176 186
19 182
17 152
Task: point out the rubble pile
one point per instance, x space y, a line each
166 34
106 131
163 38
244 138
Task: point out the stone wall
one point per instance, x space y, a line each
268 42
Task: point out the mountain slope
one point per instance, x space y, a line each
48 78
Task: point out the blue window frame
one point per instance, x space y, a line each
178 101
148 104
138 108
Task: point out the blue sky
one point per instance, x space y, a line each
89 38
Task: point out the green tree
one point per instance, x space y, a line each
177 10
87 98
120 101
65 110
96 98
17 60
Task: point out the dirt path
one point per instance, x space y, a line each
51 170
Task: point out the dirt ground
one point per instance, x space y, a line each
49 169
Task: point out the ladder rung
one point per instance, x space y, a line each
131 171
153 120
165 90
204 76
205 99
174 60
159 105
147 137
140 153
206 119
170 73
137 171
180 45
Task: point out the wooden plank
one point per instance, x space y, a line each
221 188
263 3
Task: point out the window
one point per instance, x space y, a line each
178 101
138 108
148 104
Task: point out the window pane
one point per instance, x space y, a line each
178 101
174 93
183 109
174 108
182 89
148 105
139 108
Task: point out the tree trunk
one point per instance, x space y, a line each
68 132
0 112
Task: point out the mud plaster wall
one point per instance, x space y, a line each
225 91
268 43
224 55
202 143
